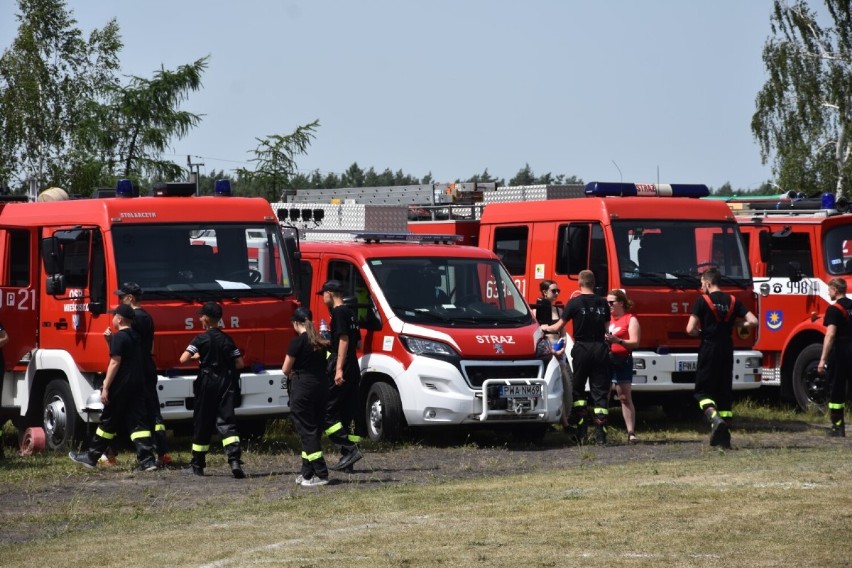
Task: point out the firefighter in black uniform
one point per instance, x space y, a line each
143 324
121 395
305 368
344 376
219 363
714 316
837 353
589 356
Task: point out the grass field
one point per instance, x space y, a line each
783 497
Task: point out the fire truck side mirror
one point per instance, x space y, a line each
97 308
51 256
765 244
55 284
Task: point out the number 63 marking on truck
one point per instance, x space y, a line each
22 299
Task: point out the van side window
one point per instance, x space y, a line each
510 244
17 252
795 247
356 293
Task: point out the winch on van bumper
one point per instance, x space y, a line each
434 392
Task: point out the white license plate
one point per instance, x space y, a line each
520 391
687 365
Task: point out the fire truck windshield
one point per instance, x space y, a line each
451 292
675 253
837 244
174 260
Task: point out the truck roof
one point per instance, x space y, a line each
591 208
108 211
391 249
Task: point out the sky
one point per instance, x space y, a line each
605 90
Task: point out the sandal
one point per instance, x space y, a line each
631 438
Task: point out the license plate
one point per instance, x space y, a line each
520 391
687 365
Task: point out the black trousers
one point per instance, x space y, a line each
590 361
214 409
714 376
152 408
125 408
308 400
839 368
340 407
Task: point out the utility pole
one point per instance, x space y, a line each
194 172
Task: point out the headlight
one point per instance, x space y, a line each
420 346
543 348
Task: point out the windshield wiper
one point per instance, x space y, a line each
691 277
657 277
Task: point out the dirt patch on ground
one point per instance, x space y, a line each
272 468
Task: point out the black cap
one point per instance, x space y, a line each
211 310
302 315
129 288
331 286
124 311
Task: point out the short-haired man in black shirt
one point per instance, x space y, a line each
589 356
837 353
121 395
344 375
714 316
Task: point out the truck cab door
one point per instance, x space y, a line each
74 296
19 288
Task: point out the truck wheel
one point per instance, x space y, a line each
385 420
62 426
809 387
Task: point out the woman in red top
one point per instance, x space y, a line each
623 337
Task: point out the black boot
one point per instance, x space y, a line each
579 425
234 453
838 426
718 427
197 463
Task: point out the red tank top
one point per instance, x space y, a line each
619 327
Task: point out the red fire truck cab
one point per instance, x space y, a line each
61 261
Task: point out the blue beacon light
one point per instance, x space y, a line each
124 188
619 189
222 188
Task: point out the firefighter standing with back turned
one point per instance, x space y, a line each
589 356
837 353
714 315
219 363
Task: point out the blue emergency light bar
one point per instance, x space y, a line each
222 187
406 237
619 189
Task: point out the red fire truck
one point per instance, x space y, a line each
651 240
795 248
61 262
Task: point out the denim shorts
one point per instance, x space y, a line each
624 372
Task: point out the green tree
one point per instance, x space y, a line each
134 124
724 189
275 160
46 78
804 110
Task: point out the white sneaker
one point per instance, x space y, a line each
315 481
299 479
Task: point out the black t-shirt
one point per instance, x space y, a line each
343 323
216 348
718 326
590 314
143 324
306 358
125 344
840 314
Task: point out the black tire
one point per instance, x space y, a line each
809 387
62 427
385 420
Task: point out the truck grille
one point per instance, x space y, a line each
475 375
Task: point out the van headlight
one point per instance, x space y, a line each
427 347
